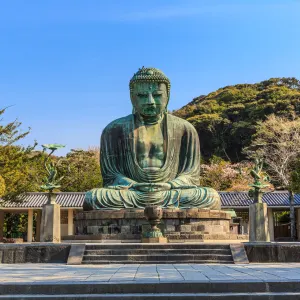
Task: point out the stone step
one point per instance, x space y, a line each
157 246
159 257
105 262
156 251
163 296
134 288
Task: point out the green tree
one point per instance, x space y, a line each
19 166
21 169
10 132
2 186
226 119
81 171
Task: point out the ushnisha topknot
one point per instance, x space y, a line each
150 75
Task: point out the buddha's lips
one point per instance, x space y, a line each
151 109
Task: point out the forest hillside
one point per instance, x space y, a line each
225 119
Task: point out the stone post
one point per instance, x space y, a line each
258 219
70 222
50 224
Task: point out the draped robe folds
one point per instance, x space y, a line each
120 170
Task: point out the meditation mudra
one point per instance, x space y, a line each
150 157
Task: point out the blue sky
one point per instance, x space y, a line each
65 64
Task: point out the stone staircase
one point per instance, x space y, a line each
157 253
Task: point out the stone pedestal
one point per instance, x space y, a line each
177 225
50 224
160 240
258 219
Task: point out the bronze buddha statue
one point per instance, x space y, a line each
150 157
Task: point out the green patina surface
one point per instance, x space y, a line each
260 179
150 157
51 182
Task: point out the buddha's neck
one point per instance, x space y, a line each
150 120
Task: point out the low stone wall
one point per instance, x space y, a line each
272 252
34 253
178 225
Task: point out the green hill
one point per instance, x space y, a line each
225 119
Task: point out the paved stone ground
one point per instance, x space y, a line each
58 273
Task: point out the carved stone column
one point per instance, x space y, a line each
258 220
50 224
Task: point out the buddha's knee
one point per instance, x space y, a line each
92 199
201 197
88 201
215 198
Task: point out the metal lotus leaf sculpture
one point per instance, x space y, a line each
51 182
260 178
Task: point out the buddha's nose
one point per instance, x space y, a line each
150 99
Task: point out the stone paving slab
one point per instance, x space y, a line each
51 273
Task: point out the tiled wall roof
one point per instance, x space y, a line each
229 199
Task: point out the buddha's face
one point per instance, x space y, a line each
149 99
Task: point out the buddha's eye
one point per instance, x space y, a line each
141 95
156 95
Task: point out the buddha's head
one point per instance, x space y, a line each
149 92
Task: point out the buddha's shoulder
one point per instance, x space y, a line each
181 123
119 123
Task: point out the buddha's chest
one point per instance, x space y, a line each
150 144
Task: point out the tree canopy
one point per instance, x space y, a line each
226 119
16 162
10 132
81 171
22 169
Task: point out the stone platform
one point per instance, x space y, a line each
136 282
177 225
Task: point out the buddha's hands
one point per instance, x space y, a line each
151 187
118 187
121 183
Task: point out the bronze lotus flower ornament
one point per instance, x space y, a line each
51 182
